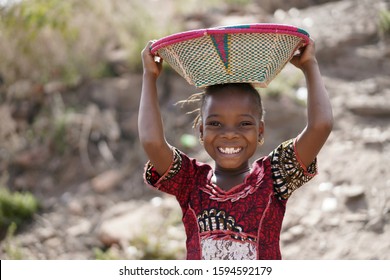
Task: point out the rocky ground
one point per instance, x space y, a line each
94 202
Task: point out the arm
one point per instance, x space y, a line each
150 125
319 110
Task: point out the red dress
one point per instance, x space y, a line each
242 223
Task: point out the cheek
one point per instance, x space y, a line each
253 139
208 135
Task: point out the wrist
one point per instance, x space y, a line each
150 75
309 65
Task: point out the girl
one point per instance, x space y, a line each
235 210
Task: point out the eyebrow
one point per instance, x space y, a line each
242 115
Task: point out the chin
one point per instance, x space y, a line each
231 165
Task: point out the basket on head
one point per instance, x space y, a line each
253 53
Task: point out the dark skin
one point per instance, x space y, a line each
223 120
231 136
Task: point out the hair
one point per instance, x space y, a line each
201 98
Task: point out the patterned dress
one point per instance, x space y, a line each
242 223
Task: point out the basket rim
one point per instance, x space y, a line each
230 29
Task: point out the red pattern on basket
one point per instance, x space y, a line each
221 43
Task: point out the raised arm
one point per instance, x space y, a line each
319 110
150 124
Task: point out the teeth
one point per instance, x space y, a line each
229 151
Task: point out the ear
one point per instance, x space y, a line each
201 132
261 129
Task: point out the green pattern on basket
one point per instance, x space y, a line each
251 57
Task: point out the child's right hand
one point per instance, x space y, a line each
150 66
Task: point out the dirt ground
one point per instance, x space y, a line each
94 199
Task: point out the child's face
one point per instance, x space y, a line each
230 128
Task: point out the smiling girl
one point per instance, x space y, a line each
234 210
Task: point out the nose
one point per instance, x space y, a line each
229 132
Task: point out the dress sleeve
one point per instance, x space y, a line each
288 173
175 180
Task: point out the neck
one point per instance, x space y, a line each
231 173
226 179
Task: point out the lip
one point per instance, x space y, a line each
229 151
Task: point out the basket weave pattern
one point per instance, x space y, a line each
231 57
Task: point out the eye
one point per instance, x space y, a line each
213 123
246 123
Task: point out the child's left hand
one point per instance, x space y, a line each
306 56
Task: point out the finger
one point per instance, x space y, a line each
311 43
154 53
149 45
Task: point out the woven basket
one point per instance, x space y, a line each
253 53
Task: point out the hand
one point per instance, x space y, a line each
150 65
306 56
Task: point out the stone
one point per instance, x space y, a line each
107 180
356 217
20 90
54 87
75 208
376 224
312 218
353 192
329 204
370 108
83 227
128 221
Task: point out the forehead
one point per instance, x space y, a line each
231 100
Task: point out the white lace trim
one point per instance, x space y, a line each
217 249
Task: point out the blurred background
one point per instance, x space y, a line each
71 167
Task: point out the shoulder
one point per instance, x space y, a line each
182 165
288 172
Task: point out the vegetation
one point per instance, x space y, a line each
287 82
384 23
12 248
16 207
155 247
106 255
46 40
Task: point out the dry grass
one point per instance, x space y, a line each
45 40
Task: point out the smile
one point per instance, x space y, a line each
229 151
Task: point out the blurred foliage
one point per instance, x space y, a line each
105 254
286 82
31 17
31 30
153 248
202 6
12 248
16 207
67 41
384 23
45 40
63 131
238 3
